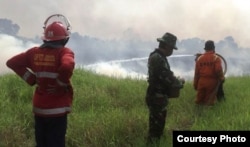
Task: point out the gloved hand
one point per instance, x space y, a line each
30 78
57 87
195 87
52 89
197 56
222 80
179 82
182 80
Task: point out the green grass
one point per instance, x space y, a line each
111 112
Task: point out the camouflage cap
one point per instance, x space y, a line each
169 39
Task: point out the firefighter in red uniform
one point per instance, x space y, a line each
50 68
208 75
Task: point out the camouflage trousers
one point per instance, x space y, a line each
157 116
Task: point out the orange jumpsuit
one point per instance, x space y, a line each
208 73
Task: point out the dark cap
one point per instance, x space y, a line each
209 45
169 39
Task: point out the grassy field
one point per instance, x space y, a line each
111 112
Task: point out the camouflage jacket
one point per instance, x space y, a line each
160 76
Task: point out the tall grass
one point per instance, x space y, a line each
111 112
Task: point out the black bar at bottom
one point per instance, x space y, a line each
211 138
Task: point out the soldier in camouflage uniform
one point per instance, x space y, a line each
160 79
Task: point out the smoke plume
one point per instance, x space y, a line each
127 57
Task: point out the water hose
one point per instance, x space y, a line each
225 63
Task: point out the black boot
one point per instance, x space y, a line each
220 93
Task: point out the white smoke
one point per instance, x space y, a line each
114 70
10 46
148 19
124 59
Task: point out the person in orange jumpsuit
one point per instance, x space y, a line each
208 75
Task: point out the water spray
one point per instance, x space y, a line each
113 65
134 59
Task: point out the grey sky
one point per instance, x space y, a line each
145 19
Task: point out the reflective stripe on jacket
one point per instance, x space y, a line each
53 111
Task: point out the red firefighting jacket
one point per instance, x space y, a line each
51 69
